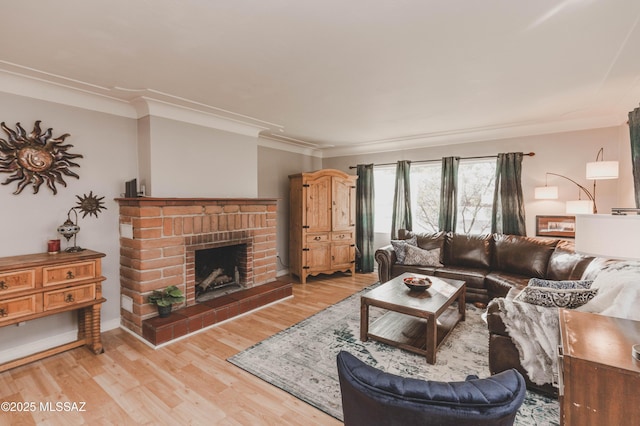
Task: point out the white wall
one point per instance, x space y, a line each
563 153
274 168
187 160
27 221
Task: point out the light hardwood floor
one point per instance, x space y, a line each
186 382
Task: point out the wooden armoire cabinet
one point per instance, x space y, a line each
322 230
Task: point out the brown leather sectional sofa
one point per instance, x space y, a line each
491 265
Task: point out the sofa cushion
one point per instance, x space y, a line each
566 264
398 269
473 251
499 283
556 297
522 255
399 246
425 240
565 284
473 277
418 256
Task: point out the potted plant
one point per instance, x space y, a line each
163 299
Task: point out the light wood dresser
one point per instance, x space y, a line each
38 285
599 377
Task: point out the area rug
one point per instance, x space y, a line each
301 360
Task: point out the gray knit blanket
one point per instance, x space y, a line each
535 331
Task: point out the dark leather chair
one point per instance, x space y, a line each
372 397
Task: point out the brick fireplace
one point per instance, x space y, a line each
160 236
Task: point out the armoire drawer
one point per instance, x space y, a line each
317 238
14 281
18 307
69 296
342 236
69 273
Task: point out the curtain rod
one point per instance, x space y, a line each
528 154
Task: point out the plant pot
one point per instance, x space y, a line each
164 311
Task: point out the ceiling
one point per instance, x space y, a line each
345 76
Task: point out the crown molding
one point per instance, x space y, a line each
60 93
137 103
504 131
158 108
285 144
129 103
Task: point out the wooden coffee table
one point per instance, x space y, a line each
417 321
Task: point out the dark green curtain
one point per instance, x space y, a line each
449 194
634 132
508 202
401 218
364 217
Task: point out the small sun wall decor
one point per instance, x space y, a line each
88 205
36 158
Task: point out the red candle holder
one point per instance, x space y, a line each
53 246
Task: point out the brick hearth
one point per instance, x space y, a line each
168 231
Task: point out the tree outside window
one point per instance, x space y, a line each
476 180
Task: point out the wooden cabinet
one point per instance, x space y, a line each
322 209
599 379
37 285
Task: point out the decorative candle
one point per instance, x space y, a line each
53 246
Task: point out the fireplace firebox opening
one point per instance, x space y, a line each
219 268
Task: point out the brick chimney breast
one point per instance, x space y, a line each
168 231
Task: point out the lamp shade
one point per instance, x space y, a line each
579 207
546 193
602 170
611 236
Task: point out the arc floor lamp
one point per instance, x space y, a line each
596 170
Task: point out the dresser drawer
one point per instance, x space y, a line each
18 307
69 296
342 236
317 238
12 282
68 273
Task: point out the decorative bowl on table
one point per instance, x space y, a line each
417 283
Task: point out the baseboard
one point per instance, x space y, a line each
110 325
282 272
50 342
37 346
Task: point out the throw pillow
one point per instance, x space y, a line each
399 246
565 284
421 257
555 297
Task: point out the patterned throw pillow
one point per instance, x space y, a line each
418 256
556 297
399 246
539 282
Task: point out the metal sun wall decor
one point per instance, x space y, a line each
35 158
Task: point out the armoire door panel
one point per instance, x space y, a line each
318 202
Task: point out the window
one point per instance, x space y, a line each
425 196
384 183
476 180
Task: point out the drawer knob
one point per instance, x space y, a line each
3 312
3 285
317 238
70 275
69 298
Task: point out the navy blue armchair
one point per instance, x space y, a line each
371 397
